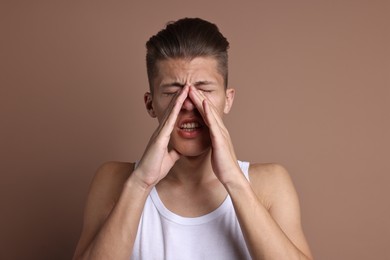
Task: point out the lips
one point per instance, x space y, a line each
190 127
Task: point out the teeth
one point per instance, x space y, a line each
190 125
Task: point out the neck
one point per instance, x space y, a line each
193 170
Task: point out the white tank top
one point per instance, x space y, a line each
163 234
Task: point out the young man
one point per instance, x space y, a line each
189 197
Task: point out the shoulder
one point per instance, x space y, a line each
114 171
274 188
107 185
109 179
104 191
272 183
271 173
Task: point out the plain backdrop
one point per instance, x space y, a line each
313 93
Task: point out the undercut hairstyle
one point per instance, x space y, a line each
187 38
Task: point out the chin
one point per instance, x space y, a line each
194 153
191 148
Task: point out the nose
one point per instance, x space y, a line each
188 105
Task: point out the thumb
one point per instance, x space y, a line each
174 155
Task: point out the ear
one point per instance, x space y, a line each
230 92
148 99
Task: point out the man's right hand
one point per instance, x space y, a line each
158 158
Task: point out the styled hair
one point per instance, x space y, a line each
187 38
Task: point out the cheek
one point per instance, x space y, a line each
218 102
160 107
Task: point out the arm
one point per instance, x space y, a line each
112 214
274 234
111 219
272 228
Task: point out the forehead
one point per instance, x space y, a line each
187 71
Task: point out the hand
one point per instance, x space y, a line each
157 159
223 158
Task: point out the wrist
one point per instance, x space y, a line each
134 182
236 181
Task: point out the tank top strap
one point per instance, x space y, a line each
244 168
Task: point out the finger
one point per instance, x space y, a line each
210 119
164 118
174 155
213 116
217 131
171 159
170 107
169 123
197 99
216 114
166 126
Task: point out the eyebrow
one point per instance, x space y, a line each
203 82
172 84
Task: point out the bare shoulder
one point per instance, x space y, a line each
271 183
111 175
268 172
105 189
275 189
107 184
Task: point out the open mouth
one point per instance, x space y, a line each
190 126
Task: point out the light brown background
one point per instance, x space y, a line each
313 93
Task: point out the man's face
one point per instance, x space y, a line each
190 136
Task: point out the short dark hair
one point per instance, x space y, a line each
187 38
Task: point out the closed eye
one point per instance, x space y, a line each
170 93
170 90
205 86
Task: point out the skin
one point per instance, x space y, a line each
192 175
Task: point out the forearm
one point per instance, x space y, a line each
264 237
115 240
